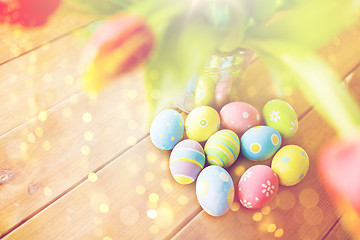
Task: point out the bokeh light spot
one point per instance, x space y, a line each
47 191
271 227
39 131
85 150
153 197
87 117
279 232
257 216
92 177
235 206
131 141
88 136
154 229
46 145
31 137
43 116
265 210
309 198
183 200
152 213
140 189
103 207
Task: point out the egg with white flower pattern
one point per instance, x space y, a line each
291 163
260 143
215 190
281 116
257 186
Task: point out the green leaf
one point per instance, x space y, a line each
309 24
317 81
179 55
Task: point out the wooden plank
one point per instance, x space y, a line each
30 205
342 53
48 155
339 233
121 204
305 210
15 40
37 81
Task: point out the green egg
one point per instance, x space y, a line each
279 115
204 93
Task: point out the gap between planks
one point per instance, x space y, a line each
309 110
301 117
77 184
50 41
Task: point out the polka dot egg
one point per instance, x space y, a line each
239 116
291 163
258 186
215 190
201 123
222 148
260 143
281 116
187 159
167 129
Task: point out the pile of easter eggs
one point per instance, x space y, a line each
241 133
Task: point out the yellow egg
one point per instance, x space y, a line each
201 123
290 163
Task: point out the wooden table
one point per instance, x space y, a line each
80 167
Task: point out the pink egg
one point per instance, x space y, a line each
258 186
239 116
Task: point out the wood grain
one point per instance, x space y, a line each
16 41
43 159
305 210
127 186
339 233
37 81
43 166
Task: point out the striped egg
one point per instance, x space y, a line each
222 148
187 159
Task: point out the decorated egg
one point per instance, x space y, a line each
260 143
215 190
291 163
201 123
279 115
258 186
167 129
222 148
187 159
239 116
204 93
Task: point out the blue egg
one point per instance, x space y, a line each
260 143
215 190
167 129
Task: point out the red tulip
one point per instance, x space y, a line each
118 46
339 166
27 13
